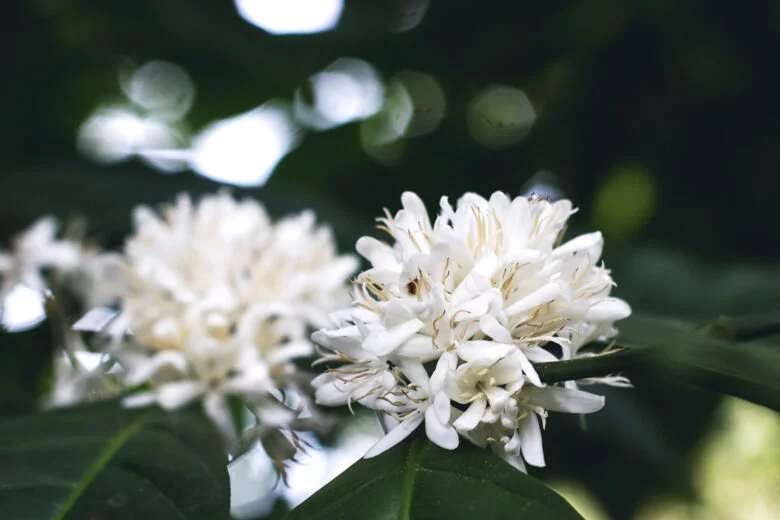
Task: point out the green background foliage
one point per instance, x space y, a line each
655 117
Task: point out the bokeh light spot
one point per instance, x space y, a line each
428 101
22 309
160 87
347 90
500 117
626 201
245 149
291 16
114 134
408 14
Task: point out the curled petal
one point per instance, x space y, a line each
473 414
531 441
440 433
396 435
560 399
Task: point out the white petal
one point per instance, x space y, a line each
216 410
414 205
383 342
539 355
477 281
396 435
481 351
494 329
528 369
329 394
609 309
139 400
559 399
378 253
444 369
515 461
591 243
413 369
531 441
418 346
473 414
346 340
146 368
171 396
95 320
439 433
291 350
441 405
544 294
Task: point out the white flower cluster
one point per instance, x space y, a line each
450 318
34 250
219 301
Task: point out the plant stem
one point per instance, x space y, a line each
592 366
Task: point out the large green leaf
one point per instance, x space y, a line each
417 480
101 461
748 370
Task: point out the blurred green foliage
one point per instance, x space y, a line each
684 93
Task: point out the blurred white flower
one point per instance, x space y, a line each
484 291
34 250
347 90
219 301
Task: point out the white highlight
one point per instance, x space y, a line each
114 134
241 150
291 16
22 309
347 90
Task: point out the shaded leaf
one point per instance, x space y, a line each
417 480
102 461
748 370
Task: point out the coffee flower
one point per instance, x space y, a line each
219 300
449 319
35 250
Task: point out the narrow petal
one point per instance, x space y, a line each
396 435
591 243
441 405
172 396
559 399
528 369
473 414
515 461
439 433
414 370
383 342
139 400
414 205
418 346
329 394
531 441
544 294
146 368
539 355
481 351
494 329
216 410
609 309
378 253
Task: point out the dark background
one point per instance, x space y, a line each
684 91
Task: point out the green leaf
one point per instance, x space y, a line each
748 370
417 480
102 461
